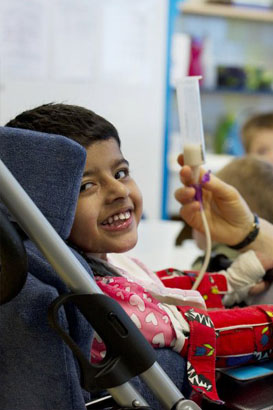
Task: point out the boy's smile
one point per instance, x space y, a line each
119 221
109 207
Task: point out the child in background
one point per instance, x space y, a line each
257 136
108 211
253 178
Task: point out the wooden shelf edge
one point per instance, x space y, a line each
224 91
219 10
243 92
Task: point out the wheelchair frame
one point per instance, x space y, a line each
78 280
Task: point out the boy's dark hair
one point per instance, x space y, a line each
74 122
253 125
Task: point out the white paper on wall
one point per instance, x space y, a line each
73 38
127 41
124 83
23 39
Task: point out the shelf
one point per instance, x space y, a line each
243 92
234 91
219 10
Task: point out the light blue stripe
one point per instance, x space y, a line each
172 13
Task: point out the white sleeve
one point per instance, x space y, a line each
244 272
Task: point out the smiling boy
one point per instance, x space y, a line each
110 204
68 159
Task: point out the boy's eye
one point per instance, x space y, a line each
86 186
123 173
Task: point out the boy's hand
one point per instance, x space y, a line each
230 219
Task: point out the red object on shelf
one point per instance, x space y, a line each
195 66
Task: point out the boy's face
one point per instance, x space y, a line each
262 145
109 207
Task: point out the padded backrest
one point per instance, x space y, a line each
49 168
13 259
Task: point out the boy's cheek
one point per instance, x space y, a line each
139 207
81 228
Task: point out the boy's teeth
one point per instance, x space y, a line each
121 216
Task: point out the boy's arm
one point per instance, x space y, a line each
242 276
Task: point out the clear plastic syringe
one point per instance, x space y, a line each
191 128
191 125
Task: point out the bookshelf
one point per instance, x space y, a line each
239 36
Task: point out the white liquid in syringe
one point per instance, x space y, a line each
194 157
193 154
